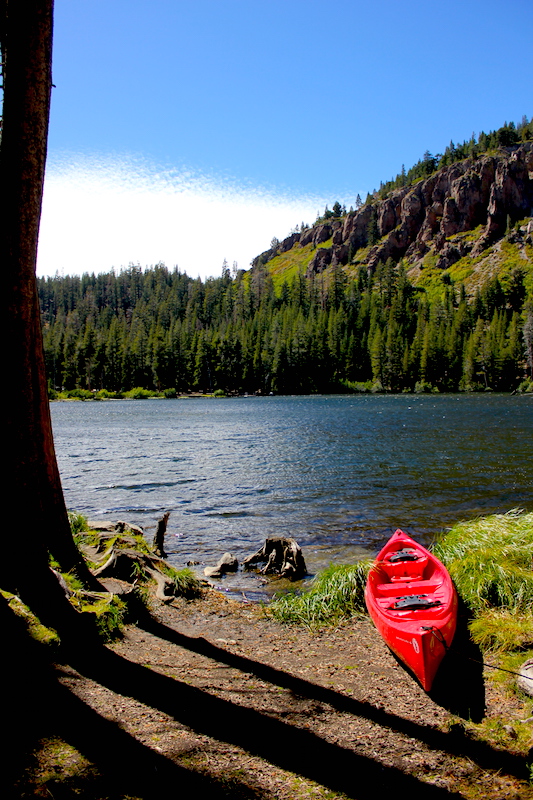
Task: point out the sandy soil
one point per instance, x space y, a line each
214 698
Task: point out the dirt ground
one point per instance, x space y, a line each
213 697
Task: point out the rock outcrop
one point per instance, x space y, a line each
492 191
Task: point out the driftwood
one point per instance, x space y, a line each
165 590
159 538
123 564
283 556
525 681
227 563
62 582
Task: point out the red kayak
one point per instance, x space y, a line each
413 603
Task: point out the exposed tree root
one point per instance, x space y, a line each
120 554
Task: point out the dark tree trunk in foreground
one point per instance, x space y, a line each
35 517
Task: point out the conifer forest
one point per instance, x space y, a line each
162 330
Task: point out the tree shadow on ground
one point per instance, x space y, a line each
455 742
129 768
284 745
37 708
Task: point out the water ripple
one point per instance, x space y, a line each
337 473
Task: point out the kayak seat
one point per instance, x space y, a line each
403 565
413 602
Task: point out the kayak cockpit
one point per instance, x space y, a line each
407 584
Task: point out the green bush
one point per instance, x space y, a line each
138 393
75 394
423 387
357 387
104 394
526 386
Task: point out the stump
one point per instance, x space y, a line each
129 564
159 538
283 556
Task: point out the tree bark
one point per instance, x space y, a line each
32 481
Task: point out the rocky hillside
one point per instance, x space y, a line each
457 213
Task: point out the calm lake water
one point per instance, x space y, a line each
338 473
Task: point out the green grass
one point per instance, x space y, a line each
499 629
286 266
109 614
335 594
35 628
186 584
490 561
78 523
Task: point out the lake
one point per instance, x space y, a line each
337 473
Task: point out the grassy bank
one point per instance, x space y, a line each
336 594
135 565
490 560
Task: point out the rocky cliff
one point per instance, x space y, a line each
491 191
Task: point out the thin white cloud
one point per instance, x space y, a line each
100 213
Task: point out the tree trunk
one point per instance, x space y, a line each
32 480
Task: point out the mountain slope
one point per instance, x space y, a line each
451 224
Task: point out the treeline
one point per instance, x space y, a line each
506 136
160 329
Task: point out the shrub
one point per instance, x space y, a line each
75 394
423 387
138 393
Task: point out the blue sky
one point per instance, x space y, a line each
193 131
